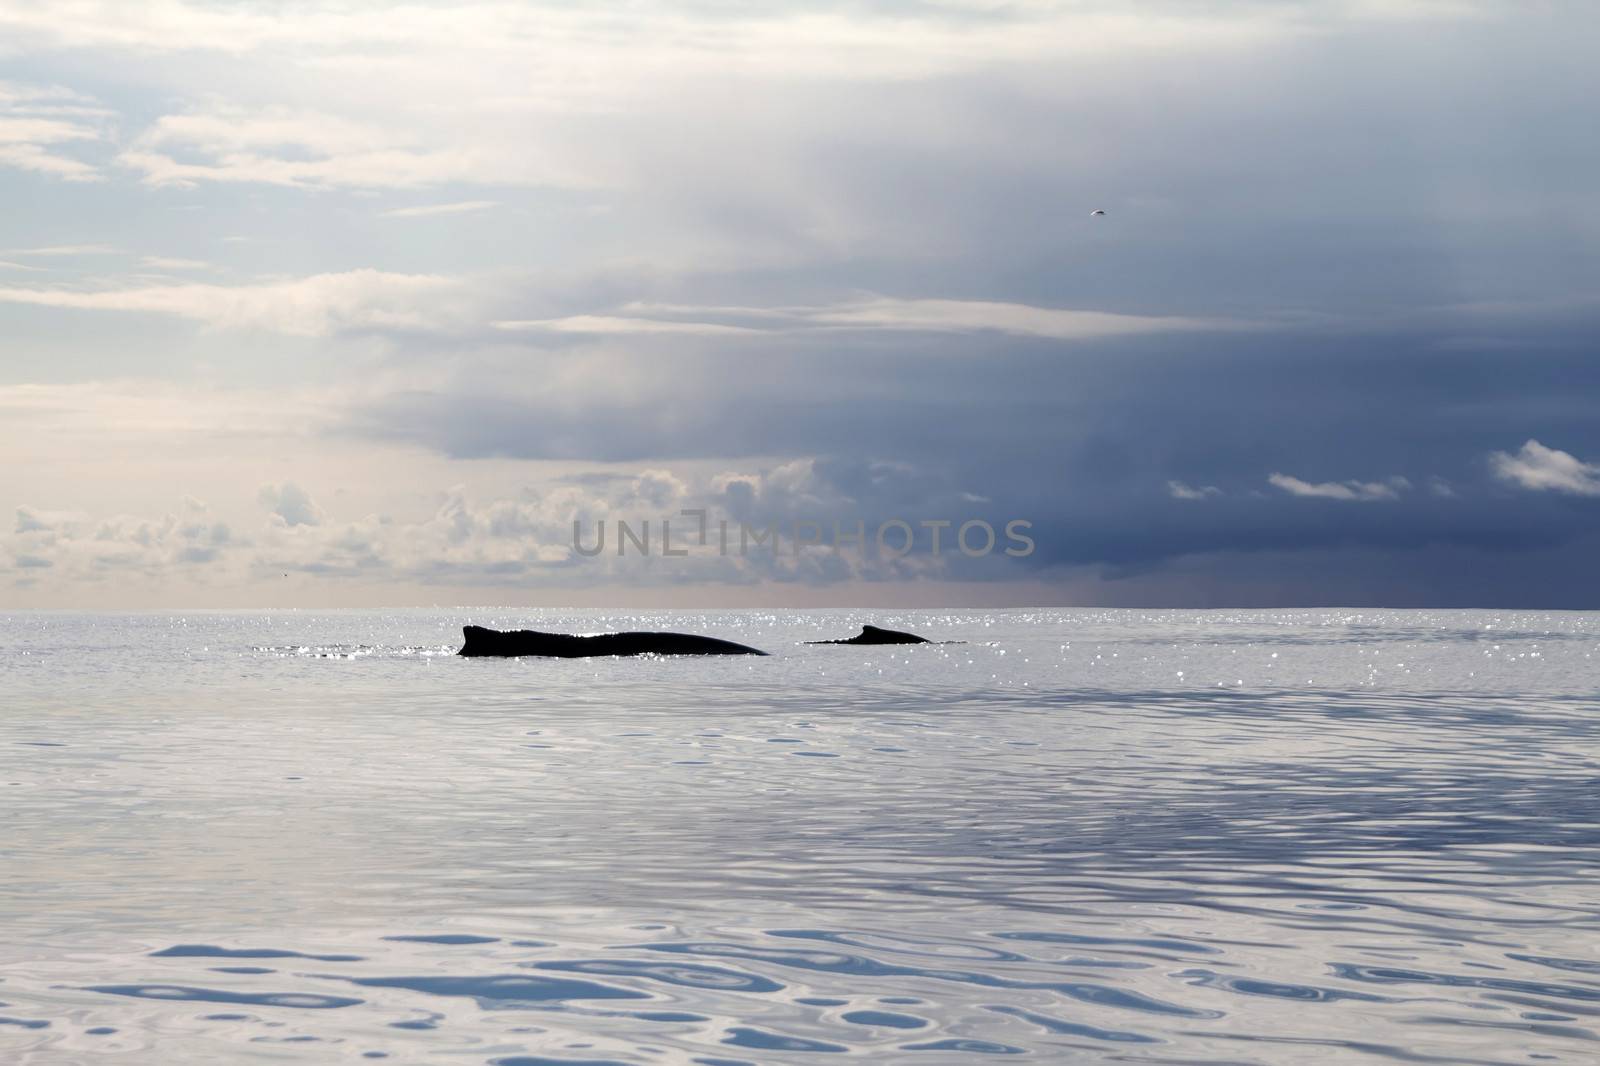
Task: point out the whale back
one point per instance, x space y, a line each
479 641
875 635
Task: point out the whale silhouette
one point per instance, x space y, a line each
484 642
874 635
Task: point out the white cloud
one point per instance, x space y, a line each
281 147
794 39
575 41
36 120
528 539
126 418
291 504
76 548
31 520
523 539
54 250
313 306
964 316
1179 491
168 262
459 207
1541 469
1360 491
877 313
610 324
15 130
35 158
494 93
13 94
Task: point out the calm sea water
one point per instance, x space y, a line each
1133 837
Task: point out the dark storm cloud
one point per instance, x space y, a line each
1413 235
1084 438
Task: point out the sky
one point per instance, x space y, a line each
308 304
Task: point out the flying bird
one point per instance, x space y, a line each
1096 211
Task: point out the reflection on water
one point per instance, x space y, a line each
1145 837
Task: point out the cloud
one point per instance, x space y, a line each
30 520
459 207
1363 491
1179 491
167 262
522 539
33 157
291 504
1541 469
324 304
963 316
314 306
794 38
35 120
495 94
612 324
849 238
527 539
1084 442
79 549
41 131
102 421
876 313
67 250
282 147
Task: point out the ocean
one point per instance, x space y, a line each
1330 836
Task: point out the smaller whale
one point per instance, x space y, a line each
483 642
874 635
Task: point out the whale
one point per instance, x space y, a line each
478 641
874 635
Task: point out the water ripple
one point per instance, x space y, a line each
500 991
301 1000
